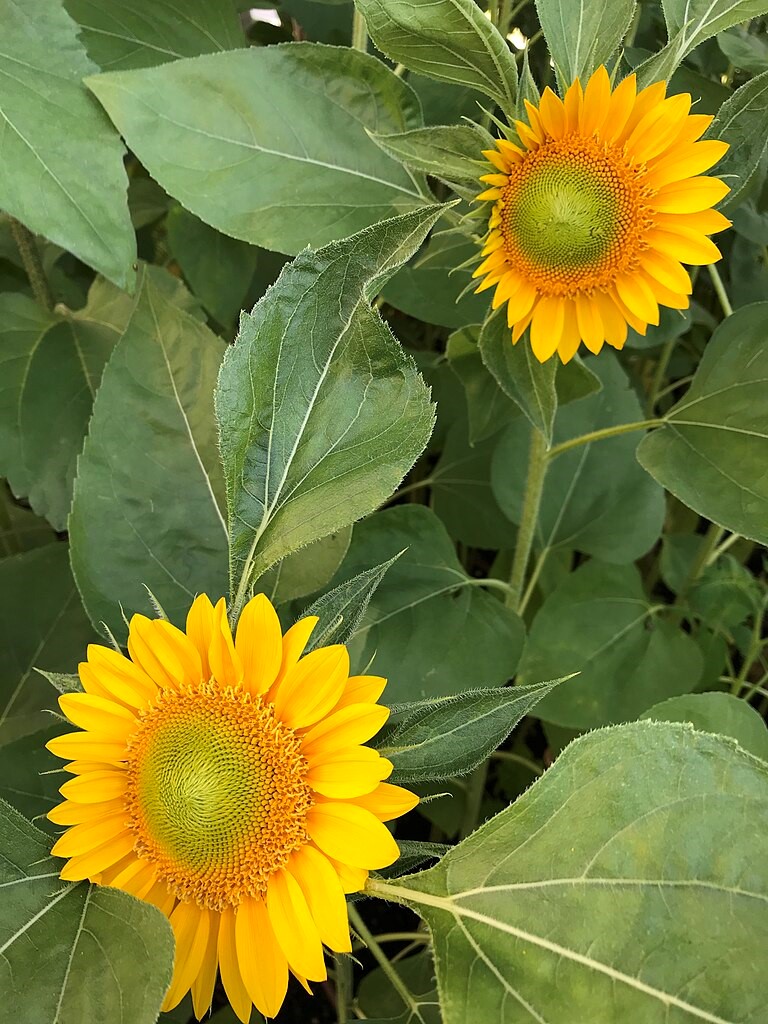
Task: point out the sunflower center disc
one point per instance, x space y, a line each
216 793
571 215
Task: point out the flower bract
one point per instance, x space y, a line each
595 212
225 780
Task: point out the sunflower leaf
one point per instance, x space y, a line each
690 22
432 740
579 902
152 422
583 34
452 153
450 40
61 162
141 33
321 412
341 610
742 122
74 954
712 451
274 173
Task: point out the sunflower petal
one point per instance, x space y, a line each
322 890
265 976
191 929
352 835
259 643
294 927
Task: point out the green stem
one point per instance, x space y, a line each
725 546
343 979
722 295
33 266
711 539
359 32
381 958
600 435
755 647
658 376
530 589
534 485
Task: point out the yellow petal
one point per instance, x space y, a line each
596 99
571 338
150 653
191 929
522 303
614 324
259 643
313 686
71 813
572 104
319 882
685 162
87 746
547 327
361 690
294 927
91 863
706 222
689 247
620 106
490 194
660 127
494 157
694 127
231 977
666 271
689 196
646 100
115 676
205 982
351 834
353 724
82 838
136 877
95 787
265 976
99 714
590 323
200 621
552 113
349 773
294 642
387 801
351 879
638 297
222 656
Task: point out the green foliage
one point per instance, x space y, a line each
61 164
186 409
272 178
445 39
55 938
152 421
554 927
289 483
712 449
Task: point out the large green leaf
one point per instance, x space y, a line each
148 500
690 22
30 774
61 162
583 34
62 355
628 884
321 413
489 408
716 712
270 144
42 625
447 39
452 153
306 571
438 739
74 954
742 121
599 623
425 597
596 498
125 34
712 451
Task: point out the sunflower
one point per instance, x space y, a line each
225 782
596 211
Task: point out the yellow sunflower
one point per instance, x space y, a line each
225 782
597 210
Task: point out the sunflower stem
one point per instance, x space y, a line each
381 958
534 485
343 978
359 32
722 294
30 257
600 435
659 373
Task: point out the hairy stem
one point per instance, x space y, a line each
600 435
380 957
33 266
537 468
722 295
359 32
